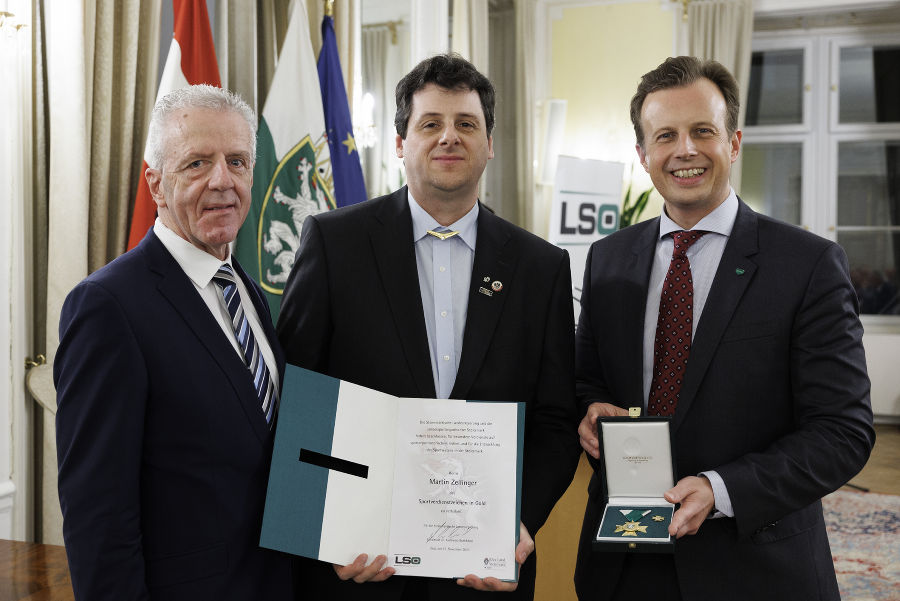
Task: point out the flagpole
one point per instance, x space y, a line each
329 8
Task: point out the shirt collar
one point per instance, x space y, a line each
467 225
719 221
199 265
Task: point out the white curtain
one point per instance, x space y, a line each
526 109
238 62
722 30
470 32
373 122
385 60
501 175
429 31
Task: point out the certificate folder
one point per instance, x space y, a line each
434 484
638 468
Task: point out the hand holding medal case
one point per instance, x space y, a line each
638 468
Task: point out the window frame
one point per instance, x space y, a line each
820 133
766 42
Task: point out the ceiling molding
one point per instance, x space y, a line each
803 7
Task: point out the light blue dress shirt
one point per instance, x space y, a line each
704 256
445 272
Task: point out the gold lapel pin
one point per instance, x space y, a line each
496 285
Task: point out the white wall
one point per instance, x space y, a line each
882 353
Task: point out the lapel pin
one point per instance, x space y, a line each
487 278
485 291
496 286
739 271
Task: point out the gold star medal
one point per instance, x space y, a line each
630 529
658 518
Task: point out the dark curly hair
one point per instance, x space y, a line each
449 71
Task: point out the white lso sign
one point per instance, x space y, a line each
587 200
583 217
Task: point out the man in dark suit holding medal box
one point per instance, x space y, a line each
745 331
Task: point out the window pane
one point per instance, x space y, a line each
868 183
775 94
870 84
873 269
771 179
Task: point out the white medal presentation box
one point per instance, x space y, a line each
638 468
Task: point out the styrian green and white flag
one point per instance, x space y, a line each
292 177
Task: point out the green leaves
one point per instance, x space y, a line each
631 210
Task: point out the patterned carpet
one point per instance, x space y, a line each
864 533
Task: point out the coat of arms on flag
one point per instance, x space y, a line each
300 186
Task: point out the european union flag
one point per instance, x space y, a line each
349 187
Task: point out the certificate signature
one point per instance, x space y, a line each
458 533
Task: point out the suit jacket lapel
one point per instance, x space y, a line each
633 305
734 274
392 245
175 286
495 260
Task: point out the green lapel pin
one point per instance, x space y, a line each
739 271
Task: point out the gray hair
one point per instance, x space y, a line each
196 96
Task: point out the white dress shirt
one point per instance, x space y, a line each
200 267
704 256
445 272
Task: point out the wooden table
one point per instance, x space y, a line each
34 572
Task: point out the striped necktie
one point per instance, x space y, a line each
266 390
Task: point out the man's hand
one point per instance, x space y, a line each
587 429
523 550
697 500
358 571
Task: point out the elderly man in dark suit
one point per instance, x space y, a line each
425 293
168 375
745 330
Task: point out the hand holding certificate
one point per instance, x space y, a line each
523 550
431 484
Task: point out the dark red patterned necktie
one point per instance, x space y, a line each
672 345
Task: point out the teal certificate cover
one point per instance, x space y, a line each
434 484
